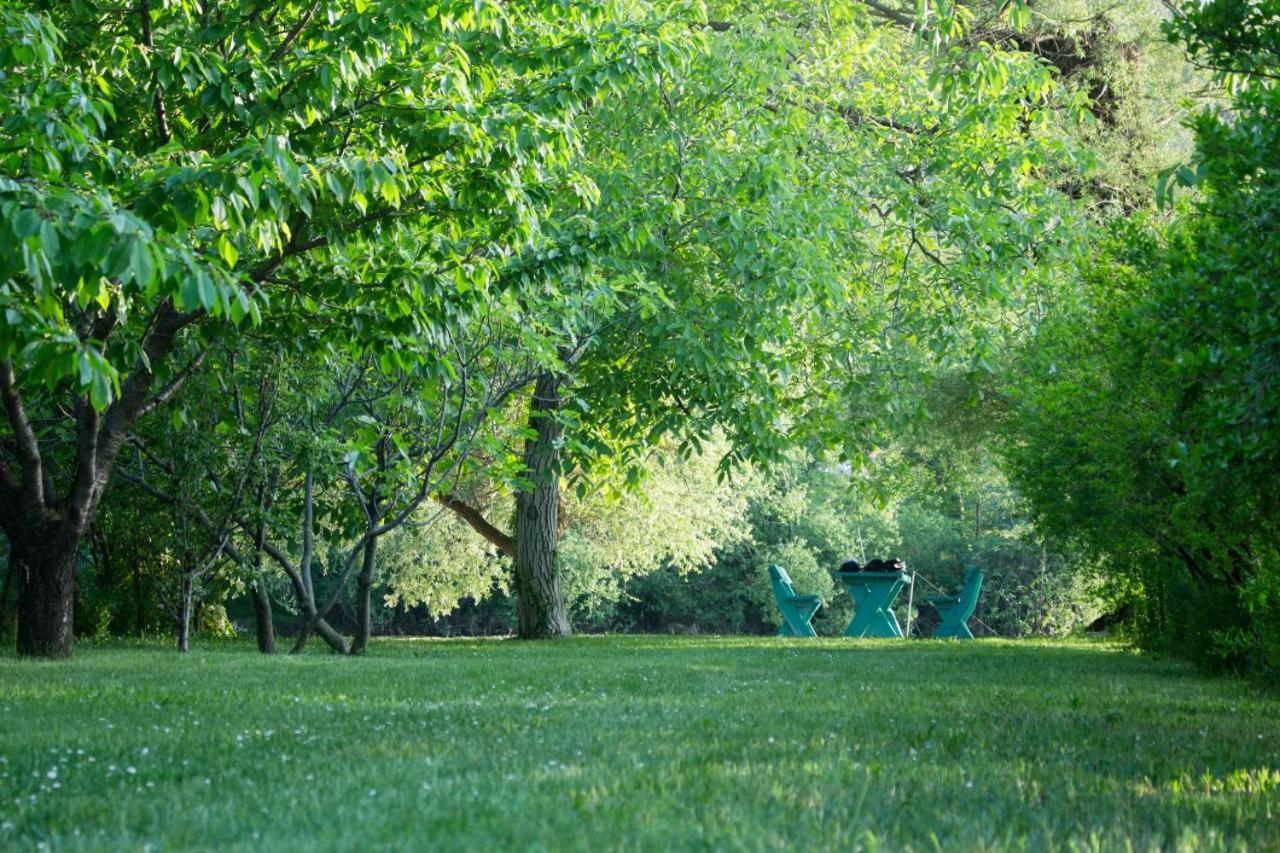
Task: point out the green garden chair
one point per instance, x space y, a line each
796 610
955 610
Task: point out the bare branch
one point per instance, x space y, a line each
87 418
28 446
157 100
173 386
158 342
479 524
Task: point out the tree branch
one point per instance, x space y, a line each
28 446
91 475
162 120
279 52
889 13
173 386
479 523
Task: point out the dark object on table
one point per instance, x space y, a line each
850 566
893 564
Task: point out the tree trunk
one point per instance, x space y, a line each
184 614
364 592
45 565
540 606
323 629
4 595
139 601
266 627
306 614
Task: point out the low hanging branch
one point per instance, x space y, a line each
479 523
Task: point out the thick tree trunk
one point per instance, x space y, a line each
184 614
47 548
264 624
540 609
364 592
45 566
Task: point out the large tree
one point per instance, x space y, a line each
782 218
172 170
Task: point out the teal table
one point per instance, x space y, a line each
873 596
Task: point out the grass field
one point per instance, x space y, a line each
637 743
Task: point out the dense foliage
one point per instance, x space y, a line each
1145 425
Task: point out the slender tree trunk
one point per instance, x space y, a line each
265 625
323 629
307 612
45 563
139 601
264 622
540 608
184 614
4 595
307 615
364 592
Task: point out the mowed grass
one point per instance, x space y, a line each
636 743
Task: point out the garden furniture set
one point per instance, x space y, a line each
874 594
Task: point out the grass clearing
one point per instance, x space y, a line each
636 742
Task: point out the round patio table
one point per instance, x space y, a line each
873 595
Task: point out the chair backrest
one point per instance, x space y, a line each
969 592
781 582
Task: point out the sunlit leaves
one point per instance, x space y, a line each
323 129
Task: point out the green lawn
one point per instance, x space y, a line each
636 742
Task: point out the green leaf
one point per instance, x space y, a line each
141 267
227 250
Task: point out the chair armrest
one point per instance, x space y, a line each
942 599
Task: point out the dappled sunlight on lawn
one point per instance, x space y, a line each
655 739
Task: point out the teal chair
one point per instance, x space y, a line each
955 610
796 610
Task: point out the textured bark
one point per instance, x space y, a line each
540 609
45 568
45 529
265 625
364 592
